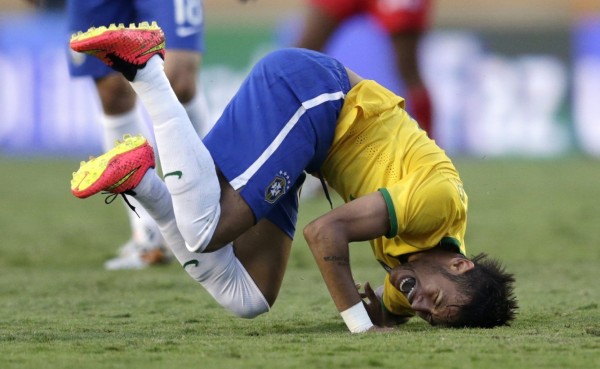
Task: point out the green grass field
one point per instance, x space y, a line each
60 309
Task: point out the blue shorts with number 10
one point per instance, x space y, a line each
182 21
280 124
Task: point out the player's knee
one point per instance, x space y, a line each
181 68
249 311
184 89
116 95
198 232
315 230
182 76
228 282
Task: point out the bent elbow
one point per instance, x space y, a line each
313 232
322 232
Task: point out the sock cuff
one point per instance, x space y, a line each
120 120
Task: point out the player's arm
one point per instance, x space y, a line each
328 237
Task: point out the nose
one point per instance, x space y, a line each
422 308
420 304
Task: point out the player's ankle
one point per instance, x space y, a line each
153 66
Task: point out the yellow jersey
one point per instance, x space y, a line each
378 147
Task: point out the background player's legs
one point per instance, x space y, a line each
318 27
120 117
182 68
406 45
183 25
120 114
406 25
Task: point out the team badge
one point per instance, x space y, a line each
278 187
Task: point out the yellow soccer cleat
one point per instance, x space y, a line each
118 171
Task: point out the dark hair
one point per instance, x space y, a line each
492 302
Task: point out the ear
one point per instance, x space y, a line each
459 265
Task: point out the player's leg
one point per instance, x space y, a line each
119 116
245 282
418 101
220 272
244 276
406 24
117 99
322 18
182 69
264 249
183 25
246 279
316 30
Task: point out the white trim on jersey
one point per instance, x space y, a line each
243 178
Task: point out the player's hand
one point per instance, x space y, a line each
374 306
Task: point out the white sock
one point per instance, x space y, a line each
116 126
144 231
153 195
219 272
197 111
187 166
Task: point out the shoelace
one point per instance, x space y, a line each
112 196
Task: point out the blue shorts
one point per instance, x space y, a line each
280 123
182 21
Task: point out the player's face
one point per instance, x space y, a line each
431 294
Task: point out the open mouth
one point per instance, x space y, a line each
407 287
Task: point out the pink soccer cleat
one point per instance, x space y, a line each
118 171
125 49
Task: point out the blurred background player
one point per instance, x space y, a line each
404 20
183 23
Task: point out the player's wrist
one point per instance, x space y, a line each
356 318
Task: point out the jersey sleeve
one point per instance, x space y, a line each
424 208
394 301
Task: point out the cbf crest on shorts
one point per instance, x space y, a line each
278 187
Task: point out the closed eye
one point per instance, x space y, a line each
438 299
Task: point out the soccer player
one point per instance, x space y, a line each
404 22
183 22
228 206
